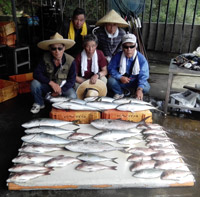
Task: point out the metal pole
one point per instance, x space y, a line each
15 20
150 15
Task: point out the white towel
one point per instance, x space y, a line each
136 66
84 62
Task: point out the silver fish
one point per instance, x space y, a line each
132 107
58 99
105 99
169 165
74 106
42 138
151 126
165 156
78 101
33 148
79 136
28 168
60 161
153 131
175 174
130 100
129 141
142 150
94 158
141 165
150 137
148 173
31 158
24 177
49 130
93 167
161 143
45 122
91 98
109 124
113 135
102 105
138 157
90 147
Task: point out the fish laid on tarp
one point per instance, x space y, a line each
90 147
28 168
42 138
78 101
102 105
33 148
175 174
24 177
61 161
74 106
110 124
49 130
45 122
79 136
133 107
93 167
142 150
165 156
112 135
138 157
169 165
141 165
148 173
58 99
89 157
31 159
129 140
105 99
127 100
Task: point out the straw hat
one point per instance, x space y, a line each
112 17
55 39
86 89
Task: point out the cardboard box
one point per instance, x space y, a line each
81 117
7 28
8 90
24 82
126 115
8 40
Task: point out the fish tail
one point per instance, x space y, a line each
75 130
113 167
113 160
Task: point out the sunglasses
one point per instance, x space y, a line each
54 48
131 47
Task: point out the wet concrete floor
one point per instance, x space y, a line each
184 131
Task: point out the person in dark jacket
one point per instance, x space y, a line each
55 73
75 30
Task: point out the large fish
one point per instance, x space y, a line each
74 106
109 124
165 156
89 157
175 174
42 138
90 147
24 177
49 130
93 167
78 101
102 105
105 99
58 99
127 100
148 173
129 141
79 136
113 135
45 122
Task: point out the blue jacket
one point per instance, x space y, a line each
141 78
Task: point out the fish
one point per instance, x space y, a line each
91 147
165 156
31 158
154 131
91 98
79 136
89 157
43 138
78 101
148 173
33 148
175 174
169 149
142 150
45 122
60 161
132 107
93 167
28 168
113 135
110 124
169 165
102 105
160 143
138 157
24 177
149 137
74 106
58 99
129 140
141 165
127 100
105 99
49 130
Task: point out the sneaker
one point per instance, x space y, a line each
36 108
118 96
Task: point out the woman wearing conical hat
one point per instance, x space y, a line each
110 33
55 73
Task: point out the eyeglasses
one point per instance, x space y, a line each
54 48
131 47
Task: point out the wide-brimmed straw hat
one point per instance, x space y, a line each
86 89
56 39
112 17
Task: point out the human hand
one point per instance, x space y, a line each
56 88
93 79
139 94
124 80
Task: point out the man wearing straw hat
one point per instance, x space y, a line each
55 73
110 33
